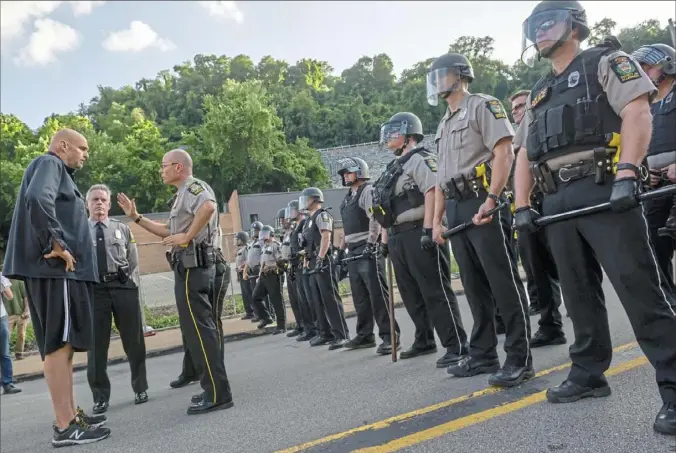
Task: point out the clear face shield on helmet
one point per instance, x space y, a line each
304 203
345 167
291 213
440 83
649 58
392 131
543 32
254 233
265 234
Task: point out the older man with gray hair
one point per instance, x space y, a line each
116 296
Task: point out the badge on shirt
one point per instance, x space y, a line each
573 79
496 109
309 223
624 68
669 98
195 188
118 235
542 95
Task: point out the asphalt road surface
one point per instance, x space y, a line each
290 397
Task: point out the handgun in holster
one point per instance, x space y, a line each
123 273
543 177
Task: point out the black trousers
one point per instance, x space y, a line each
307 308
292 289
657 213
489 274
269 285
221 284
424 282
245 288
328 304
120 302
541 269
370 294
620 243
531 285
193 289
253 282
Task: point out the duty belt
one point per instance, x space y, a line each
267 272
110 277
461 188
403 227
356 245
597 163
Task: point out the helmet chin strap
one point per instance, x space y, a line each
398 151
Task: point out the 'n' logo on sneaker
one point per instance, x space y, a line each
77 434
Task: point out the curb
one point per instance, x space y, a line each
177 348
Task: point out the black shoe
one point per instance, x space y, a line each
181 381
415 351
472 367
385 347
337 344
306 336
100 407
78 433
665 422
669 228
92 420
541 339
569 392
197 398
279 330
294 333
140 398
451 357
264 323
534 310
511 376
320 340
247 316
10 389
255 319
361 342
205 406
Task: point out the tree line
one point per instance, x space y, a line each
255 127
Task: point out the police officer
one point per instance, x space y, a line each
474 142
574 167
659 63
543 279
320 266
269 283
189 232
292 289
242 244
253 264
297 276
116 296
367 275
403 199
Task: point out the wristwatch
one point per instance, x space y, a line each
138 219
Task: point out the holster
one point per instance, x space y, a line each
123 273
543 177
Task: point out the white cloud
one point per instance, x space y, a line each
49 38
84 8
224 10
137 37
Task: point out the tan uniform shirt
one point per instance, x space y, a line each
189 198
253 257
466 137
240 259
272 252
120 247
419 171
620 85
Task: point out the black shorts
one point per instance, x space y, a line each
61 312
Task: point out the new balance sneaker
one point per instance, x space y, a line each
78 433
95 421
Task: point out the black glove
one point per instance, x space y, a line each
340 256
319 264
524 219
426 241
623 197
384 251
369 250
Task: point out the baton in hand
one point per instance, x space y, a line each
463 226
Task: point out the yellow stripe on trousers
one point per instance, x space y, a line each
199 336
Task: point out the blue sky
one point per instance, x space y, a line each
54 54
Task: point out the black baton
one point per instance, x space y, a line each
463 226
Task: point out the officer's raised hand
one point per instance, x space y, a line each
426 241
487 205
127 205
524 219
625 189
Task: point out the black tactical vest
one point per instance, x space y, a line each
313 236
568 119
663 139
386 205
354 218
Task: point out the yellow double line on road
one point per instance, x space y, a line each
460 423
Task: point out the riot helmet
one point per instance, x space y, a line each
280 219
551 22
309 196
353 165
267 232
241 238
445 76
255 228
403 124
657 55
292 212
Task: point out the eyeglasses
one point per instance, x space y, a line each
518 107
170 164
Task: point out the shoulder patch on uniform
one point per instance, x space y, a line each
624 68
495 107
195 188
131 238
541 95
431 162
325 217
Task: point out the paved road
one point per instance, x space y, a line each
288 394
